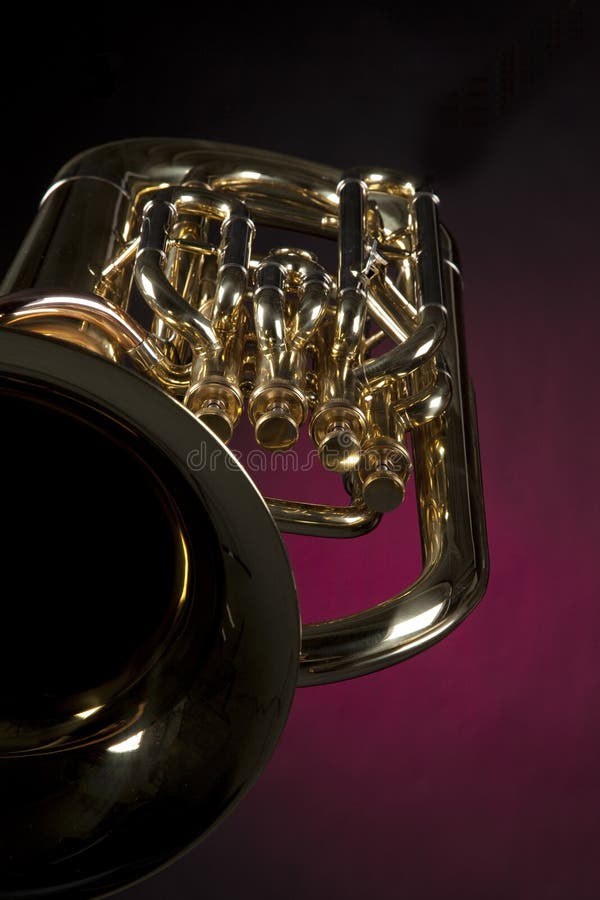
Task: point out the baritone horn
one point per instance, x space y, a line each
152 642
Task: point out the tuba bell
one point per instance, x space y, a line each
151 636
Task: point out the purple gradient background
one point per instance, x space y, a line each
471 771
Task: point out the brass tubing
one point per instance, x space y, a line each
385 464
237 231
166 302
352 306
390 309
318 520
418 349
154 285
278 404
338 425
374 340
282 191
191 271
232 276
312 306
17 310
428 403
453 539
25 309
430 332
213 392
60 256
269 313
122 258
276 408
314 288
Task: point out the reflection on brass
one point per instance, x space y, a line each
143 257
278 403
385 464
275 335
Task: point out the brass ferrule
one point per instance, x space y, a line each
278 403
277 410
218 404
338 430
214 394
385 464
383 471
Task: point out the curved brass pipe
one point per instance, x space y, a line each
211 642
453 537
425 341
298 195
427 404
392 312
278 403
320 520
25 310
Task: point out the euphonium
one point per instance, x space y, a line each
151 638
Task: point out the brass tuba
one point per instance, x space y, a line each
151 637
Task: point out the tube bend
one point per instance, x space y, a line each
163 299
429 402
431 330
453 538
417 349
318 520
24 310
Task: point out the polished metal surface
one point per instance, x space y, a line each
144 257
453 537
128 700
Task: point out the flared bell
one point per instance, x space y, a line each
150 632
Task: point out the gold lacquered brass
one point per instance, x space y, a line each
138 324
164 278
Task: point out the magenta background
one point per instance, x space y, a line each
471 771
